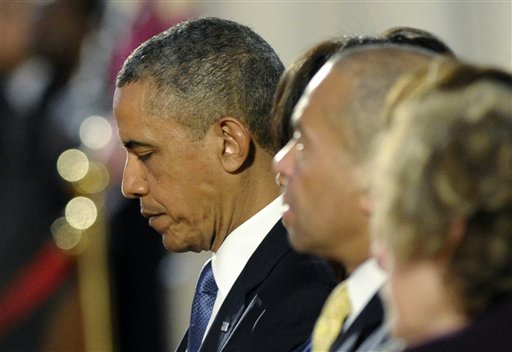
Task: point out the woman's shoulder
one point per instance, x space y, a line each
491 331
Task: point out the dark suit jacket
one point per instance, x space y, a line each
274 303
366 332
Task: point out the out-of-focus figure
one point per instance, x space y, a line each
443 209
56 61
40 50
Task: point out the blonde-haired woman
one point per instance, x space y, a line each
443 209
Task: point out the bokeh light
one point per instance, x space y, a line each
65 236
95 181
95 132
81 213
72 165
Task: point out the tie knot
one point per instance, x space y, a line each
206 283
206 291
330 322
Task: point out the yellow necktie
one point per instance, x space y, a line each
328 326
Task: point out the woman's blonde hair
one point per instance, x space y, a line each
443 186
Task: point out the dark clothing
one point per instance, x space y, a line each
492 331
33 197
135 254
274 303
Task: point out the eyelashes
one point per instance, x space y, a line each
144 157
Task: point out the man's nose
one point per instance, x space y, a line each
134 180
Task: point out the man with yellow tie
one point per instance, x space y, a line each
325 172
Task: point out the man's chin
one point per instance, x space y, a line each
173 246
298 241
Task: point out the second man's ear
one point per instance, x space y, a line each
236 143
366 203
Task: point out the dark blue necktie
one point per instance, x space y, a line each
206 291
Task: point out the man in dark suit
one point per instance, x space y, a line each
192 107
325 170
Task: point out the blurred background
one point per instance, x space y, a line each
80 270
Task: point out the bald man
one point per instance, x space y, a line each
325 171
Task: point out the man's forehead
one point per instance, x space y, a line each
138 92
312 86
298 111
319 77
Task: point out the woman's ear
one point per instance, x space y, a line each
236 142
456 234
454 237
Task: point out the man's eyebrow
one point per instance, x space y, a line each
134 144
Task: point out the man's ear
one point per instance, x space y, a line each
366 203
236 143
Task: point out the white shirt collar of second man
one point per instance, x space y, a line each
362 285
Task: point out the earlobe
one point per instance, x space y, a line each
236 142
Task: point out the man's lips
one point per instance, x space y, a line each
153 218
286 212
149 214
285 208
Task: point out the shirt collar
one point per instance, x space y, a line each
362 285
230 259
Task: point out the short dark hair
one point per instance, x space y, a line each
419 38
203 69
403 36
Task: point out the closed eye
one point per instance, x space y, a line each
143 151
144 157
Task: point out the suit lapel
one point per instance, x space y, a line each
182 347
242 298
368 320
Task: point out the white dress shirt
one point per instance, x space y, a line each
362 285
230 259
